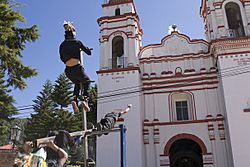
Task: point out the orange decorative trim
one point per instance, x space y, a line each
183 80
180 85
184 136
246 110
181 90
172 77
182 122
222 26
118 70
230 40
217 4
120 18
165 58
118 27
166 72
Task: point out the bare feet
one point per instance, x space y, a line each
85 105
74 106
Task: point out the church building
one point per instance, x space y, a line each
190 97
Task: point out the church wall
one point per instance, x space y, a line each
237 103
176 65
115 91
206 108
157 108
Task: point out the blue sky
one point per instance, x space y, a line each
155 18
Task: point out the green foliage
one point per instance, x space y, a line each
91 116
13 72
4 131
7 107
44 108
12 41
48 116
62 94
7 110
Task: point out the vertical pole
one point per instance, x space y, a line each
123 144
85 137
84 118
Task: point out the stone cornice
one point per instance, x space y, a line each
233 45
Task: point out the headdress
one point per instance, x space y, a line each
68 26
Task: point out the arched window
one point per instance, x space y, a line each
118 52
182 107
234 19
117 12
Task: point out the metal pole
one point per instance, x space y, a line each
84 118
123 144
85 138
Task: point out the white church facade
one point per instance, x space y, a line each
190 97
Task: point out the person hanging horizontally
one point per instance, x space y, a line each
109 120
70 53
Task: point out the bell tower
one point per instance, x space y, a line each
120 35
227 25
119 82
225 18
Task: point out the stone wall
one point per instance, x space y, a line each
7 158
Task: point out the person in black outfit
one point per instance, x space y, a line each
70 53
109 120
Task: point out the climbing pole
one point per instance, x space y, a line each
85 139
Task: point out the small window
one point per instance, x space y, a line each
182 107
181 110
117 12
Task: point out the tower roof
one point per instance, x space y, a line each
117 2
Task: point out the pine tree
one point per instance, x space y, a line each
12 42
40 123
7 107
62 94
92 115
4 131
48 117
7 110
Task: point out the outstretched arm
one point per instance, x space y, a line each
85 49
126 110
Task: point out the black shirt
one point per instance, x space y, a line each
71 48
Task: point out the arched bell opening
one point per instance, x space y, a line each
118 52
234 19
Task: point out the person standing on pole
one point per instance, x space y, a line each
70 53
